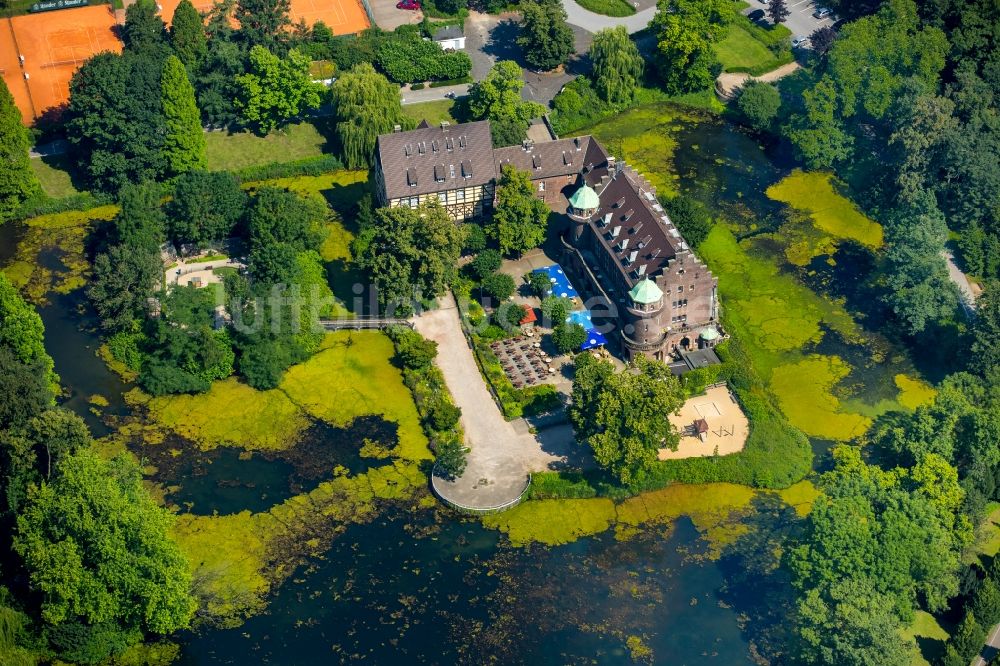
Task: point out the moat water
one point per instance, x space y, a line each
428 586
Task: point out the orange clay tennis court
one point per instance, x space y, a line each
343 17
54 45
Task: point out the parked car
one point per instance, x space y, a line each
408 4
800 42
756 15
822 12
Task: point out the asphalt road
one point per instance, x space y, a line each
592 22
990 649
800 19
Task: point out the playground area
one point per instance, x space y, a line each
40 52
343 17
712 423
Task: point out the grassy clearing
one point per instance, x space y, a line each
239 150
925 626
433 112
608 7
351 376
740 49
816 193
55 175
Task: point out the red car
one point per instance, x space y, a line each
408 4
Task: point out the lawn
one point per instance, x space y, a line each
238 150
433 112
925 626
745 49
608 7
54 175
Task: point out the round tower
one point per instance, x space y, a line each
644 308
582 205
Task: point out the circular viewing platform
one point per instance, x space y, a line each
483 491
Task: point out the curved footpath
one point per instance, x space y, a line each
500 457
728 83
592 22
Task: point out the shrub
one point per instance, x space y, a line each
475 238
310 166
126 349
444 416
499 285
414 351
509 315
568 337
450 456
759 103
539 282
560 485
417 86
486 262
160 378
555 309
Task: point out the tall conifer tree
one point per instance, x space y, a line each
184 144
17 181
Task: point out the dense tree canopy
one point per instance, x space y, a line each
622 415
206 207
263 23
365 105
17 180
546 38
759 102
878 543
115 119
275 90
21 330
617 65
412 253
96 548
497 98
520 218
686 31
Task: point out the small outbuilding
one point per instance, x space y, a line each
450 37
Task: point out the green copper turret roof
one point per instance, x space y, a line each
585 198
645 292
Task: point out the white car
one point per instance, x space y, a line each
822 12
800 42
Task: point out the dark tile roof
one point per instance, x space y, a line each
631 225
436 159
450 32
562 157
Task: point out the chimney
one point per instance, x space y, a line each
397 128
444 125
611 163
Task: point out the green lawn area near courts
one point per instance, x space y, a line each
233 151
433 112
608 7
924 626
350 376
54 174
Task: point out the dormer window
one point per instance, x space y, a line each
620 203
411 177
466 169
408 149
434 145
449 144
629 214
439 173
536 161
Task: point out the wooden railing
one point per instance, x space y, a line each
363 323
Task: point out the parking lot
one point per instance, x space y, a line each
800 20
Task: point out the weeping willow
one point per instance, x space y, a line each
366 105
617 65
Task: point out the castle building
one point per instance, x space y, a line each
451 163
638 275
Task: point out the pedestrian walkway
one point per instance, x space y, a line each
728 83
500 456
